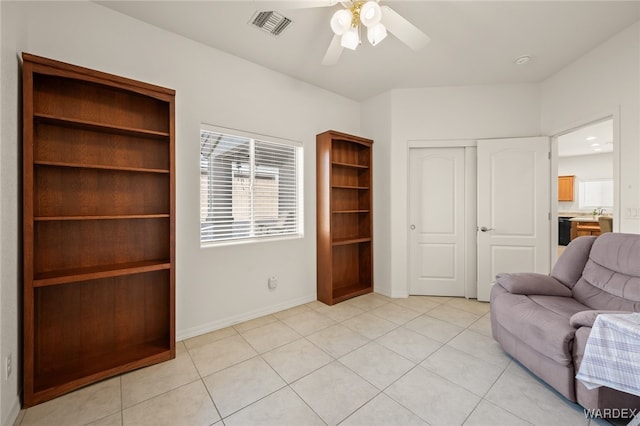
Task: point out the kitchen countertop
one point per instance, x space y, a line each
584 219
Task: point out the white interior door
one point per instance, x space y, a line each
514 186
437 255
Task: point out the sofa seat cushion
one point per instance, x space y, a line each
563 306
542 322
587 318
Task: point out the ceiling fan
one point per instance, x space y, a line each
347 25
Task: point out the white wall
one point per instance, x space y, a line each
376 124
445 113
583 167
2 418
604 82
10 199
215 286
2 356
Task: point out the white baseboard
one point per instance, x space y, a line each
236 319
393 294
13 413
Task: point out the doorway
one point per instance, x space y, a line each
586 182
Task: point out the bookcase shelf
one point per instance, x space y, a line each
350 211
98 226
101 217
89 273
345 241
99 167
362 188
102 127
74 376
344 214
353 165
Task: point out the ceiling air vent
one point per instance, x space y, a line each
271 22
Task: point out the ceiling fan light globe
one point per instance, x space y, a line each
350 39
341 21
376 34
370 13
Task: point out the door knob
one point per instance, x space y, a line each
485 229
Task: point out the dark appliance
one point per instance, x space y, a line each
564 230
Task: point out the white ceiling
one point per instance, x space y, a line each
472 42
592 139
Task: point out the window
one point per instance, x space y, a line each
250 186
595 193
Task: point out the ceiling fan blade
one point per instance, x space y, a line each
404 30
333 52
309 4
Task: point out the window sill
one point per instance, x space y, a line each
253 240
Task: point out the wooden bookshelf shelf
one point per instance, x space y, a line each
354 165
345 293
101 217
350 211
99 166
98 226
350 241
75 376
102 127
91 273
363 188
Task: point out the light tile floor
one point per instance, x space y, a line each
367 361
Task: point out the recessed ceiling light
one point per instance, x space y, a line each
597 149
521 60
592 138
595 144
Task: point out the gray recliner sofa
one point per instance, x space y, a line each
543 321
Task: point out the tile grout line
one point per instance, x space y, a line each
286 385
201 380
493 385
399 402
121 402
307 404
369 310
336 359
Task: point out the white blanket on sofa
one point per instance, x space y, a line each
612 354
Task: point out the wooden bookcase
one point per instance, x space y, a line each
98 226
344 216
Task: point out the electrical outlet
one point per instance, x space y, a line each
8 367
273 282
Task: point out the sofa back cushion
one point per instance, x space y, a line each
568 269
611 276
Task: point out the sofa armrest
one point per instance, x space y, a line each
587 318
532 283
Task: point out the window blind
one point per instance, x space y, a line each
249 187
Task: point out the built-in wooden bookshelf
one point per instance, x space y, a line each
344 216
98 226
